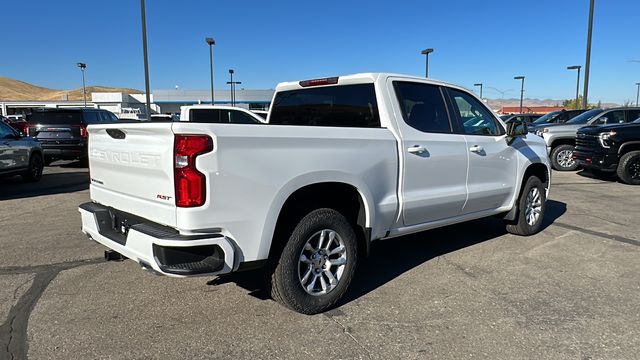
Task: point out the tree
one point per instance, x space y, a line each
571 104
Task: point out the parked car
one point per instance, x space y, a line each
219 114
63 132
17 123
19 155
561 138
164 117
554 118
611 149
344 161
527 118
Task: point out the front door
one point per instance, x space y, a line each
493 164
434 159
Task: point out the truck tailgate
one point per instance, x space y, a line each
131 169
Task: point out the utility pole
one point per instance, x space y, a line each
211 42
233 87
637 93
576 67
426 52
587 63
83 66
146 59
479 84
521 90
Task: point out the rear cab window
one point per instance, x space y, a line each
339 106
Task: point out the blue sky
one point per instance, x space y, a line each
267 42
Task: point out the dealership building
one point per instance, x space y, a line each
162 101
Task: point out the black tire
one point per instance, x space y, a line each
286 277
629 168
559 159
34 172
521 226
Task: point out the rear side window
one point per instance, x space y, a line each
423 107
55 118
341 106
632 115
209 115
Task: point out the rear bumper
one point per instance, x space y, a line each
65 151
161 249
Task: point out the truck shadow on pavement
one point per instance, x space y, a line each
50 184
389 259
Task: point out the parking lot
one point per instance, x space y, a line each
465 291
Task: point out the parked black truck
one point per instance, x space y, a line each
611 148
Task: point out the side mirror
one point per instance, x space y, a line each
515 129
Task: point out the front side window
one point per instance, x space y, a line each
423 107
475 118
611 117
6 131
341 106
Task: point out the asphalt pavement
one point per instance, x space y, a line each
462 292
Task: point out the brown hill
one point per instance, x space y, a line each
15 90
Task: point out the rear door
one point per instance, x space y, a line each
434 158
492 163
131 168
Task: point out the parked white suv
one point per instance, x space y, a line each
343 162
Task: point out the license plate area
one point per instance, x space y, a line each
115 225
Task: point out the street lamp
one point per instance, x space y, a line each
637 93
479 84
521 89
211 42
426 52
587 62
233 87
576 67
83 66
146 59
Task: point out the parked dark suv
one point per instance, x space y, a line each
63 132
611 148
527 118
554 117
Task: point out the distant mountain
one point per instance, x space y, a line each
499 103
16 90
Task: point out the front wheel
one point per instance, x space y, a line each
562 158
317 264
629 168
531 208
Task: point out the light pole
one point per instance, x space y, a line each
146 59
479 84
521 89
637 93
426 52
587 62
211 42
233 87
576 67
83 66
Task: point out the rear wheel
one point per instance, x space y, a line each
34 172
531 208
317 264
629 168
562 158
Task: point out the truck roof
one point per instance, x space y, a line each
361 78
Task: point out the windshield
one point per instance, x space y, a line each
546 118
584 117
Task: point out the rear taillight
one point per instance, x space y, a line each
83 131
190 184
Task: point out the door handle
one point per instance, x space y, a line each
476 149
416 149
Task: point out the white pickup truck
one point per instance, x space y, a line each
343 162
